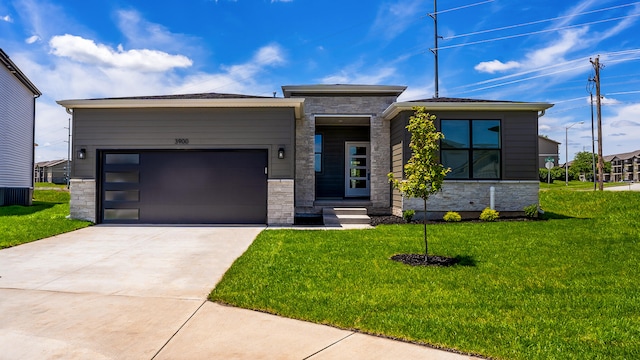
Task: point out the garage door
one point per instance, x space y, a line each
184 187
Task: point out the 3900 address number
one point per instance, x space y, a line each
182 141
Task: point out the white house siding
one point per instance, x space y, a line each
16 132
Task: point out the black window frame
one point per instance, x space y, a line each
471 149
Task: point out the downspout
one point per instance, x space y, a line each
541 113
70 112
33 153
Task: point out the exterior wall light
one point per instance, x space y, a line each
281 153
82 154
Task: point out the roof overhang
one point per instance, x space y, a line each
13 69
297 103
396 108
342 89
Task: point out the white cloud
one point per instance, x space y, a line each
6 18
354 77
88 52
32 39
393 17
494 66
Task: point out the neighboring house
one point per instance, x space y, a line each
624 167
17 127
547 149
221 158
51 171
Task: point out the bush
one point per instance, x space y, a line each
452 216
407 215
531 211
557 173
489 215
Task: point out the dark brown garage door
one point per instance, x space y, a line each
184 187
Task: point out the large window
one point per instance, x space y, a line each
471 148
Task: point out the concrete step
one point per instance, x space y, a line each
350 216
350 211
354 219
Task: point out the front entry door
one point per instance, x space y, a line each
356 169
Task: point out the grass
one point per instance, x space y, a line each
45 218
575 185
50 185
565 288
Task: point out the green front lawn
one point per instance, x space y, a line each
566 288
46 217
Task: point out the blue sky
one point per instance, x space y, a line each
500 50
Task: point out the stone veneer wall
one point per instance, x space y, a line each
379 139
280 207
83 199
472 196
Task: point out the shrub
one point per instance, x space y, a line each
531 211
489 215
452 216
407 215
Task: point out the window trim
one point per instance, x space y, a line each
321 153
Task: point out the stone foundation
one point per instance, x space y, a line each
82 205
280 202
469 198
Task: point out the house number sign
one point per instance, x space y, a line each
182 141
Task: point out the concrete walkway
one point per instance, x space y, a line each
625 187
110 292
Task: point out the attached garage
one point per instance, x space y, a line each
184 159
183 186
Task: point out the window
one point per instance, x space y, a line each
471 148
317 150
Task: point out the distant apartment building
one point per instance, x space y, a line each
624 167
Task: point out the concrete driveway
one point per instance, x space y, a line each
113 292
108 292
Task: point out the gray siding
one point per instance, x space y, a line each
16 132
205 128
547 148
519 138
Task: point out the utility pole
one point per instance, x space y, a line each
434 16
593 144
597 66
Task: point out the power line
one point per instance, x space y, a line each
537 22
536 32
462 7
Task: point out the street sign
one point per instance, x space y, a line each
549 159
548 165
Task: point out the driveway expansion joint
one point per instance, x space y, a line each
328 346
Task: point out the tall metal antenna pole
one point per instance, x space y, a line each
434 16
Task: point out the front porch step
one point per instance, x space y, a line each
345 216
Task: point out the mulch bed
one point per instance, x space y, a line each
392 219
421 260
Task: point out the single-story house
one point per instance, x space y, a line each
17 132
222 158
54 171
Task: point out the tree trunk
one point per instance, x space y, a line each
424 221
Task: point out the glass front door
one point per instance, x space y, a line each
356 169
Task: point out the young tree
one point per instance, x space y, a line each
423 172
583 164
